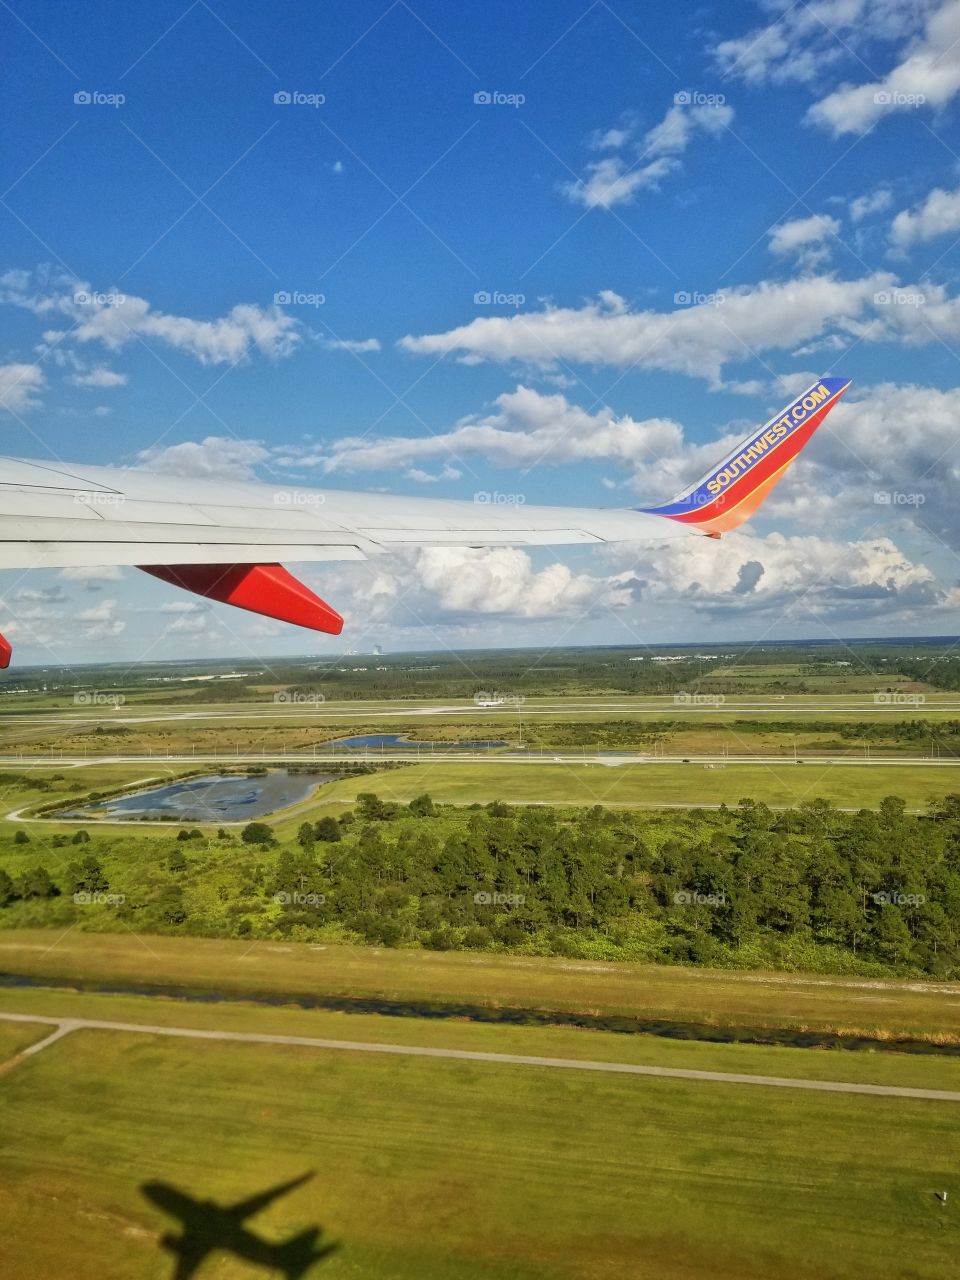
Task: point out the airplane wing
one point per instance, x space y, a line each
225 541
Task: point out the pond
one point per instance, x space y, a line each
395 742
211 798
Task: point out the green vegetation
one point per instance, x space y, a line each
651 785
431 1168
872 1008
808 888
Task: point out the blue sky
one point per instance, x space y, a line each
267 242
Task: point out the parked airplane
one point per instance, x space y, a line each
224 540
208 1227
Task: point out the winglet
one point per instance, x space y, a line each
732 490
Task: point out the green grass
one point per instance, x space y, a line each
884 1068
16 1036
712 996
655 784
428 1169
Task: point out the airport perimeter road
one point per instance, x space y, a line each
64 1026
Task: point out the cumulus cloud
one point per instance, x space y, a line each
696 340
790 578
525 429
804 238
801 43
40 595
872 202
642 162
892 450
101 378
356 345
927 75
803 316
937 215
115 319
216 457
100 622
448 585
19 387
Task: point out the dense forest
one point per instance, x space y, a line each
814 888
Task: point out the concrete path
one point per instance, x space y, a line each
65 1025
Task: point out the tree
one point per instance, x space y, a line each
422 806
170 905
306 836
8 892
87 876
328 830
21 838
177 860
37 883
81 837
257 833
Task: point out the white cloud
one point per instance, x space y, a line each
194 623
800 43
101 621
101 376
795 579
430 477
873 202
40 595
804 238
19 385
443 585
899 442
616 179
529 429
216 457
803 316
503 580
180 606
115 319
91 577
356 345
696 340
928 75
938 215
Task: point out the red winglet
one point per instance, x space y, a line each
261 588
6 651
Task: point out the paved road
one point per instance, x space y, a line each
360 755
133 713
63 1026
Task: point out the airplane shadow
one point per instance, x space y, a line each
207 1227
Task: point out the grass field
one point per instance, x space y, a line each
15 1037
655 784
711 996
433 1168
645 785
927 1071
